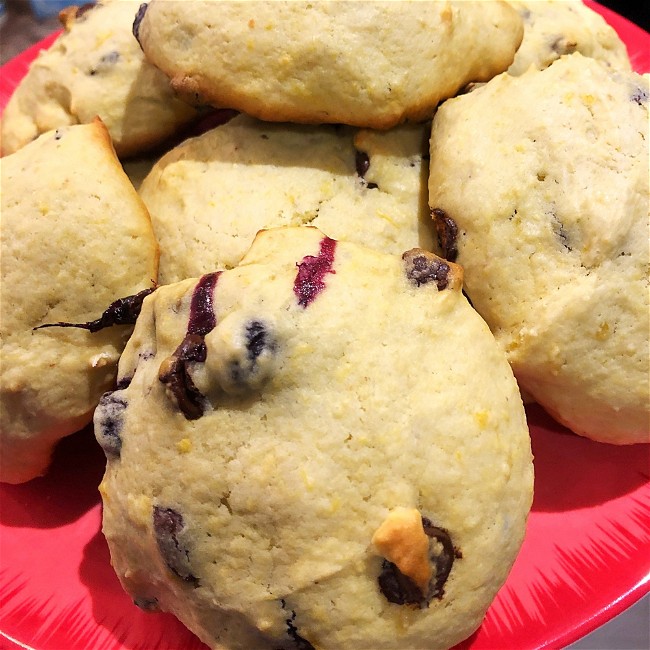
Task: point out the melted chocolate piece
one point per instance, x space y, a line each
300 643
442 559
168 526
174 371
396 587
422 269
311 271
142 9
108 429
401 590
447 232
124 311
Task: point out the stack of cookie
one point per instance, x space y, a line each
313 439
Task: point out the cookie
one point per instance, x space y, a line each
95 68
553 28
547 212
75 239
367 64
304 454
210 195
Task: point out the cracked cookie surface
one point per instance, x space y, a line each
338 416
209 196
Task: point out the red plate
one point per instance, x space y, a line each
585 559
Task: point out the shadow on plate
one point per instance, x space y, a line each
573 472
65 493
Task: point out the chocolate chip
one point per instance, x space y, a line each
423 268
401 590
174 374
311 271
362 164
109 420
82 11
447 232
299 642
169 528
142 9
124 311
147 604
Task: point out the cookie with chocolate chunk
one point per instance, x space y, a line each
368 64
553 28
76 243
321 448
547 212
95 68
210 195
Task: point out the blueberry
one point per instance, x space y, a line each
109 420
242 354
312 269
142 9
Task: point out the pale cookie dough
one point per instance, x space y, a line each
321 448
210 195
545 179
95 68
75 237
368 64
553 28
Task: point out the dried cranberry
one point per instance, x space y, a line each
311 271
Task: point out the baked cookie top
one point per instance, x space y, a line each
553 28
304 454
95 68
75 237
209 196
369 64
549 213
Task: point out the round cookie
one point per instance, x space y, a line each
547 212
553 28
303 453
75 237
95 68
209 196
368 64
